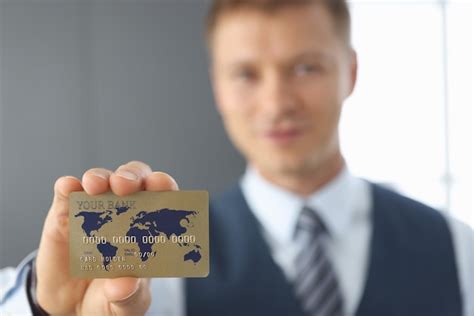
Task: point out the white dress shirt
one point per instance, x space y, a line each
344 205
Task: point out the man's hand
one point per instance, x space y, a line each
60 294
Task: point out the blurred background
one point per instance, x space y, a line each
86 83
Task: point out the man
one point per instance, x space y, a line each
299 235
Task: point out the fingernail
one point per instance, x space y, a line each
173 181
176 187
100 174
127 175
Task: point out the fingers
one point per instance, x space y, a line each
129 178
57 219
96 181
160 181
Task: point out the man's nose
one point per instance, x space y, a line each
277 97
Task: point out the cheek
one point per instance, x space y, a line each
237 113
320 105
238 121
322 110
235 105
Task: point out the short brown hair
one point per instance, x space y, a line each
337 8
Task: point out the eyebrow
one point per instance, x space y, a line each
313 55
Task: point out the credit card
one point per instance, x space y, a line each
146 234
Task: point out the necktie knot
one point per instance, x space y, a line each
310 223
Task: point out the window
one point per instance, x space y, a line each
409 122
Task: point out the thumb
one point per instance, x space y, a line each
128 296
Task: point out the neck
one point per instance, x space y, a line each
306 182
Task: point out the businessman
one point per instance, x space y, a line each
298 234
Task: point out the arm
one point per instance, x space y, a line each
13 295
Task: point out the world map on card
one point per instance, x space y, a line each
144 229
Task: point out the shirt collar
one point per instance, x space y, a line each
278 210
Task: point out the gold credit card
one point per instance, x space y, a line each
146 234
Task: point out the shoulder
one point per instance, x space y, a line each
425 230
412 225
464 236
404 211
463 239
228 202
232 195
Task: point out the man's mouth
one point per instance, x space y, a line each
283 136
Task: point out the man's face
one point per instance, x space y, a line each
280 80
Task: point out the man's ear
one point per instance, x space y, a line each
354 70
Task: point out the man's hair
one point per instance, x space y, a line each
338 9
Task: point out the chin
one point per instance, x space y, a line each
287 168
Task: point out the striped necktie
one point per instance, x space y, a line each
316 283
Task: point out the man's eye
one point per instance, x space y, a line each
305 69
245 74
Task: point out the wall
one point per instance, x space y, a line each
99 83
